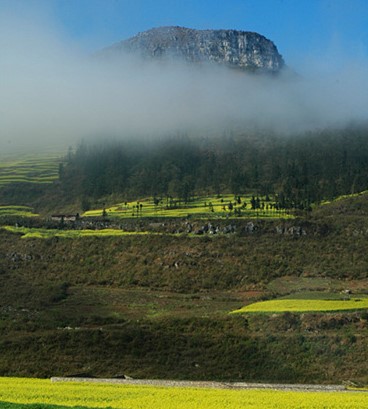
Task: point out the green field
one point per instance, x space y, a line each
343 197
20 211
305 305
23 393
203 206
29 168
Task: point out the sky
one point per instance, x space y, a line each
52 91
299 28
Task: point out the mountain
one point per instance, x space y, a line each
237 49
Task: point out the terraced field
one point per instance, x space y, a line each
16 393
21 211
203 206
29 168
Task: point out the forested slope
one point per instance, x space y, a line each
299 169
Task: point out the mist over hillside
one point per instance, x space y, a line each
52 93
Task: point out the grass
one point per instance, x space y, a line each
203 206
314 287
88 395
142 303
305 305
342 197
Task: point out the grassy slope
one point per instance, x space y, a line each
183 263
157 306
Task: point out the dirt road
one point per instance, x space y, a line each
214 385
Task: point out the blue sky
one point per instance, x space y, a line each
300 28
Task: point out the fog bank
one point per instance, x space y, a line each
51 93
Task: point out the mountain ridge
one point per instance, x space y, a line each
244 50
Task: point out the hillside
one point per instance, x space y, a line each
157 306
296 170
148 290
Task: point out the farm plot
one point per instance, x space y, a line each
305 305
41 233
29 168
24 393
20 211
203 206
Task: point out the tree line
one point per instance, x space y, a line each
296 169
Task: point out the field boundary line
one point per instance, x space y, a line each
209 384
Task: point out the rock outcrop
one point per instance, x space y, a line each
237 49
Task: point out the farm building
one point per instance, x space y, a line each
65 217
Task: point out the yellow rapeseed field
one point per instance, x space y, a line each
305 305
43 233
203 206
27 391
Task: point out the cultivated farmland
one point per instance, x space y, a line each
39 168
201 206
18 393
19 211
69 234
299 305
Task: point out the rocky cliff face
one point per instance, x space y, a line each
237 49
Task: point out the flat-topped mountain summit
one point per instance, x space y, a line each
237 49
